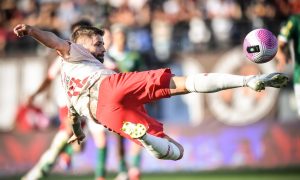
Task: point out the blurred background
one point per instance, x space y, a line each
233 130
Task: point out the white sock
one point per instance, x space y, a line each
159 147
213 82
174 153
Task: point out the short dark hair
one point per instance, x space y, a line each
88 31
80 23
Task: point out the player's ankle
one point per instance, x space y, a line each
247 79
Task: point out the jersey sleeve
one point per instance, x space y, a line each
79 53
288 30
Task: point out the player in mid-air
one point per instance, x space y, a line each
59 143
116 100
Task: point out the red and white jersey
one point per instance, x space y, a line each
79 72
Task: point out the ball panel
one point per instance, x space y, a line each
267 38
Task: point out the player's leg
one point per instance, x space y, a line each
49 157
122 174
163 148
149 132
133 123
121 154
121 97
135 153
99 135
47 160
213 82
65 159
159 147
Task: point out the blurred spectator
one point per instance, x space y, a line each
155 28
294 6
183 12
68 13
9 17
94 10
46 18
161 27
222 14
126 60
3 35
199 33
262 14
122 15
28 7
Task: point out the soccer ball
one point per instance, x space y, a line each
260 45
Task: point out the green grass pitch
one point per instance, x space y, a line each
258 174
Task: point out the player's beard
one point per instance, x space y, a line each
100 57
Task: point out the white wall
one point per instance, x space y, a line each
19 77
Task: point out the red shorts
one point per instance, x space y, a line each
122 98
63 117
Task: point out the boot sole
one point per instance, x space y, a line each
138 131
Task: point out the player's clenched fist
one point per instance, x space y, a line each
22 29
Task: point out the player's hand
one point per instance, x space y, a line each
22 29
75 138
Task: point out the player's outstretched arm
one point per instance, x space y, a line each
281 56
46 38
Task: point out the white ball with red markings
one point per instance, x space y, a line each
260 46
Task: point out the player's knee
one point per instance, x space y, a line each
177 85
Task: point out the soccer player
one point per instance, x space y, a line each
59 142
116 100
291 32
126 61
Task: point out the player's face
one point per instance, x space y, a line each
95 45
